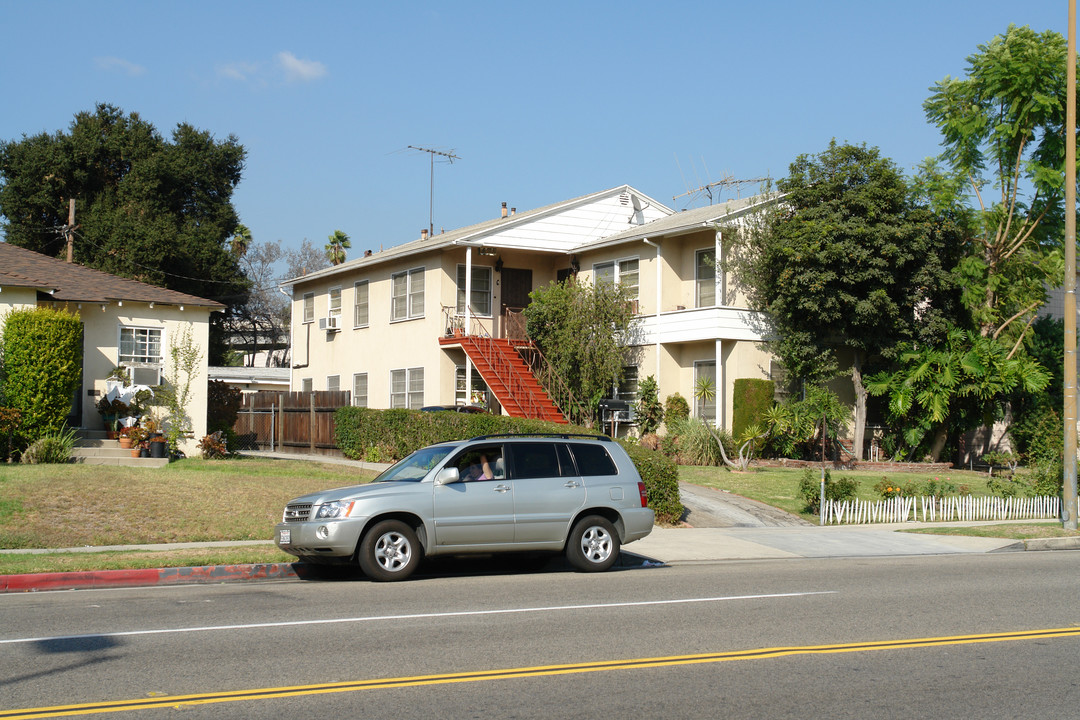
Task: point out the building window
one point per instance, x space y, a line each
705 390
407 388
359 390
407 294
333 383
628 388
481 291
705 278
140 346
360 304
623 272
305 384
479 392
335 303
309 307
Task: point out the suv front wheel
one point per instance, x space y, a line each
389 551
593 545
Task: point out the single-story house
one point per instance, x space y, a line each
125 323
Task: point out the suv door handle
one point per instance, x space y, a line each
501 488
571 484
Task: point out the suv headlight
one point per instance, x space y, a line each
337 509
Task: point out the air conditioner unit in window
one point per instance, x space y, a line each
146 376
329 324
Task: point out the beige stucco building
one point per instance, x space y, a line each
393 326
125 323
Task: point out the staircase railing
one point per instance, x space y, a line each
518 392
575 411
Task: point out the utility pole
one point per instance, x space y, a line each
69 231
431 194
1069 505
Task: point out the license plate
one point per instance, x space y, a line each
285 537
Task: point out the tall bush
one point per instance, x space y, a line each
42 363
650 413
751 398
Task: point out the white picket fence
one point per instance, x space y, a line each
966 507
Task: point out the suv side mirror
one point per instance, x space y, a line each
447 476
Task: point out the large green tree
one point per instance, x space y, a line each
148 208
584 331
847 267
1002 173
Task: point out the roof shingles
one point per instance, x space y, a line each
76 283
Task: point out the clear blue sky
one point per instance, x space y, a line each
542 101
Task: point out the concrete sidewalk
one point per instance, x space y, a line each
664 546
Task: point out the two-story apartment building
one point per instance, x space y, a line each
394 328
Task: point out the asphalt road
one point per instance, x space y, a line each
467 641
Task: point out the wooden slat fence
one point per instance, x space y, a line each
296 422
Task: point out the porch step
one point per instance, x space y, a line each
93 447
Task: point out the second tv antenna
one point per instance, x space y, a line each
451 157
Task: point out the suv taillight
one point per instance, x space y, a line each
644 495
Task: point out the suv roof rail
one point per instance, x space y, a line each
565 436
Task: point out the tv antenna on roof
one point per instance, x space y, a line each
451 157
728 181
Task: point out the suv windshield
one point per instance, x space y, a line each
414 467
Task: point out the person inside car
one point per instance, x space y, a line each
480 469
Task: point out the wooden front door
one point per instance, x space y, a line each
516 286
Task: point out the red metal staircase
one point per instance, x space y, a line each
508 377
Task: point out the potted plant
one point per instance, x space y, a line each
138 436
125 437
111 411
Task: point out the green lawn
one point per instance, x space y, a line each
779 487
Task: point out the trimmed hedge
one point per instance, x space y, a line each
751 397
389 435
42 356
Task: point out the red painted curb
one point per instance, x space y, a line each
35 582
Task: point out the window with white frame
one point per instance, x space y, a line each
628 387
705 278
480 304
407 388
359 390
407 294
309 307
333 383
705 390
623 272
334 306
140 346
305 384
360 304
479 392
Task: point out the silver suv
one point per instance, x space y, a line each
578 494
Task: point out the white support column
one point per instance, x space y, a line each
721 385
719 284
468 323
658 300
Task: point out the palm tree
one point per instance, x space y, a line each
241 240
335 249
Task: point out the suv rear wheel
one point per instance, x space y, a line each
593 545
389 551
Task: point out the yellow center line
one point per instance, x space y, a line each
176 701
